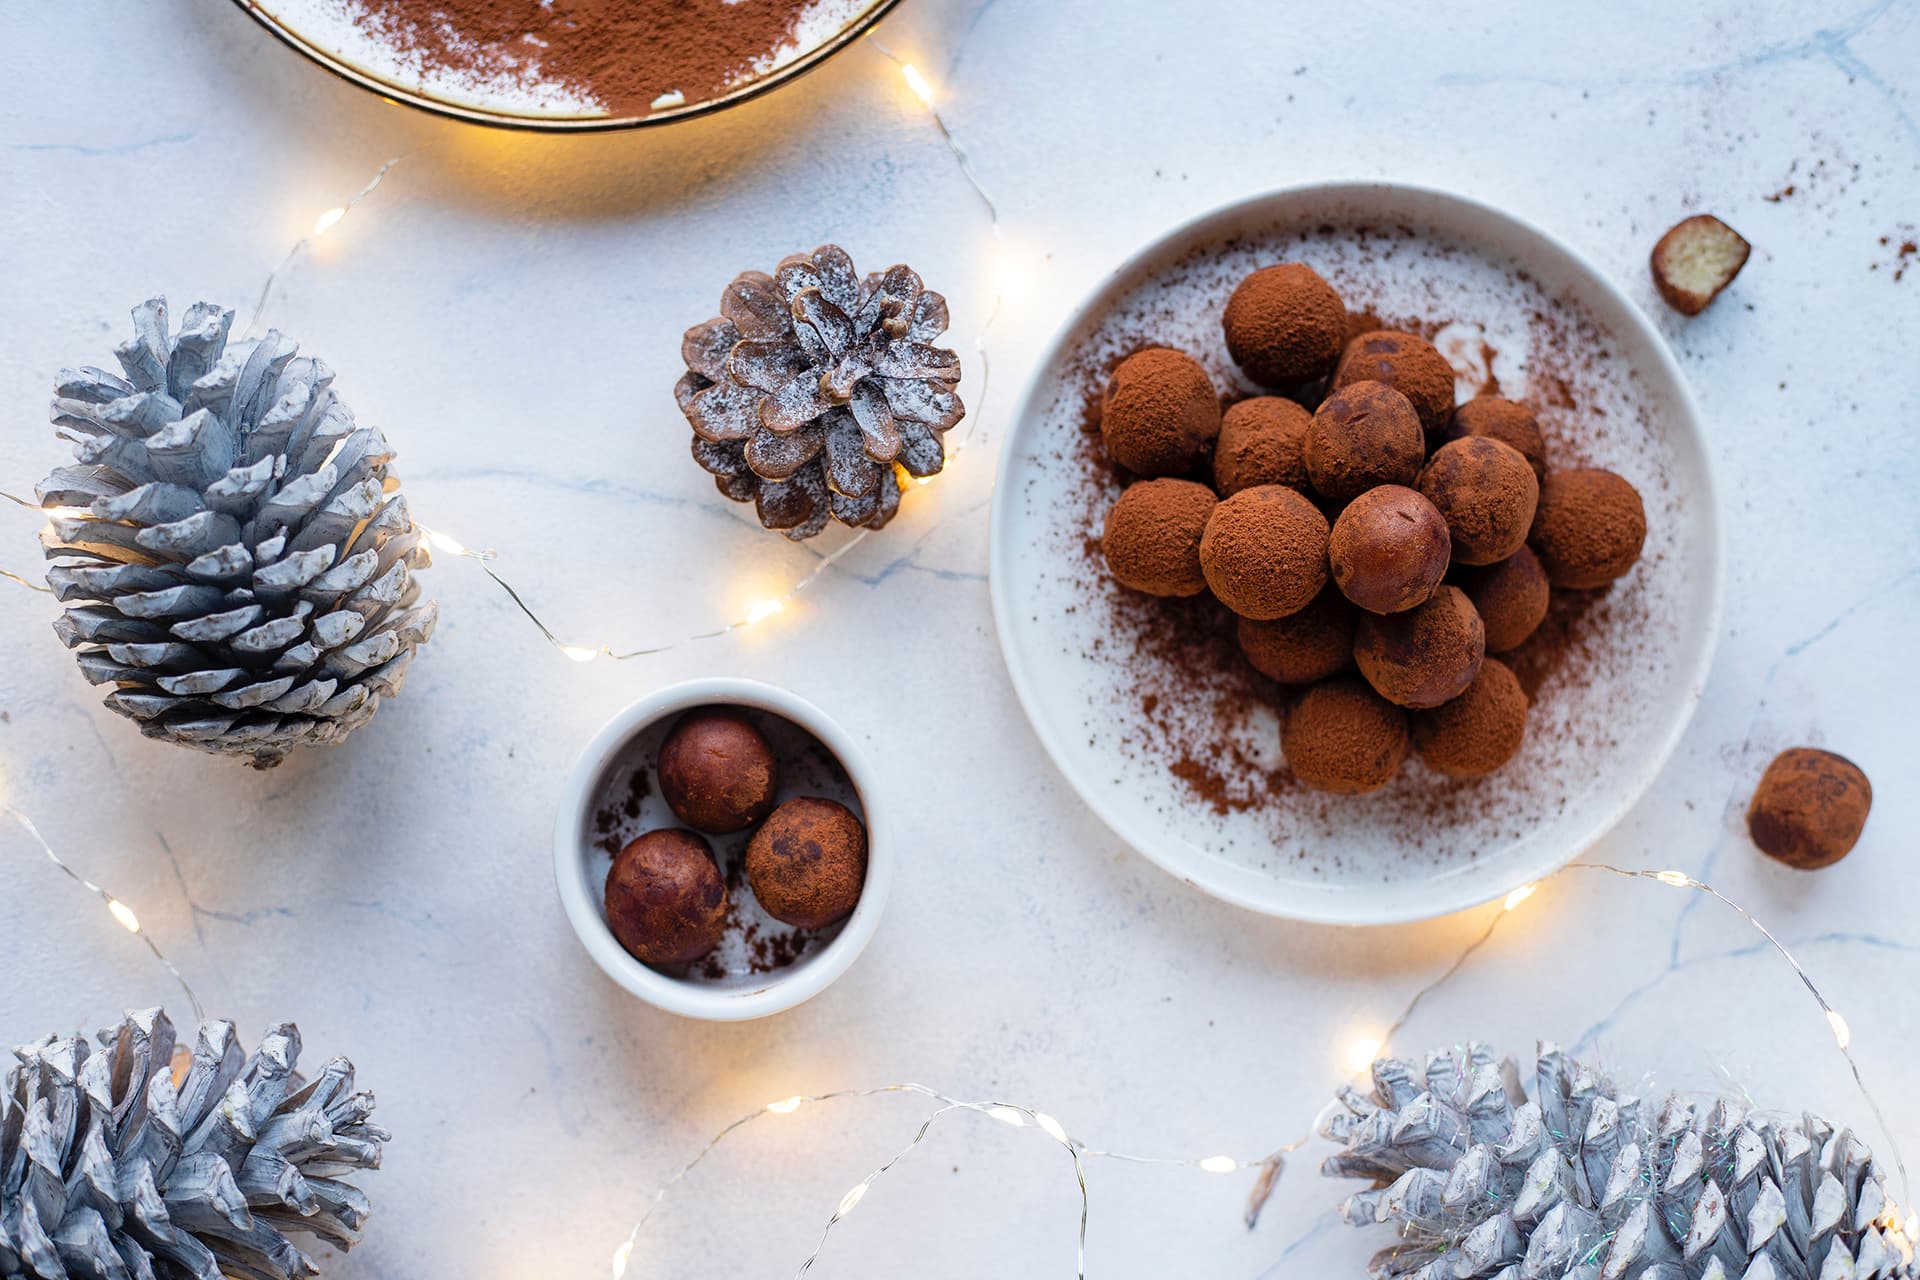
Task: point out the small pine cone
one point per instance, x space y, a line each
241 557
814 391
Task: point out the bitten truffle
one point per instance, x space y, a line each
1152 538
1285 325
1425 656
1409 364
808 863
1477 732
1160 414
1809 808
1487 493
666 901
1302 647
1344 738
1507 421
1511 598
1695 260
1588 528
1364 434
717 773
1265 552
1262 441
1388 549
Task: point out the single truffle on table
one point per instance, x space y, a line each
1487 493
1409 364
1302 647
1160 414
1265 552
1152 536
1262 441
1588 528
717 772
1472 735
808 862
1389 549
666 901
1285 325
1809 808
1511 598
1509 422
1425 656
1364 434
1343 737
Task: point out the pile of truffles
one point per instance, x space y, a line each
1357 519
806 861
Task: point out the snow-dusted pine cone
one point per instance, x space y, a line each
116 1163
1587 1182
240 555
813 385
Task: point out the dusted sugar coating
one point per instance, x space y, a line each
1389 549
1589 527
1160 413
717 773
1152 536
1477 732
1285 325
1509 422
1809 808
808 863
1409 364
1364 434
1344 738
1262 441
1487 492
1265 552
1306 646
1425 656
666 900
1511 598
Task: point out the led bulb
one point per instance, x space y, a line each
1520 895
124 914
1012 1116
764 610
785 1107
327 221
1051 1127
1219 1164
1842 1034
849 1200
620 1256
1361 1051
444 542
1678 879
918 83
579 652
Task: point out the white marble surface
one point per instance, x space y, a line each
508 306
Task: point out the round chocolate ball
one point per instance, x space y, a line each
1302 647
1343 737
1285 325
808 862
1409 364
1588 528
666 901
1487 493
1509 422
1363 435
1265 552
1425 656
1477 732
1152 538
1511 598
1160 414
1262 441
1809 808
1388 549
717 773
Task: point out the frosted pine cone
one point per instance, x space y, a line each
241 555
812 386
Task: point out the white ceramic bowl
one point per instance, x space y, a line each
1524 308
599 785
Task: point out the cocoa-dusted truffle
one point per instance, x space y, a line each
808 862
1507 421
1809 808
1262 441
1388 549
1409 364
1588 528
717 773
1477 732
1511 598
1344 738
1487 492
1160 414
1364 434
1305 646
1265 552
1425 656
1285 325
666 901
1152 538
